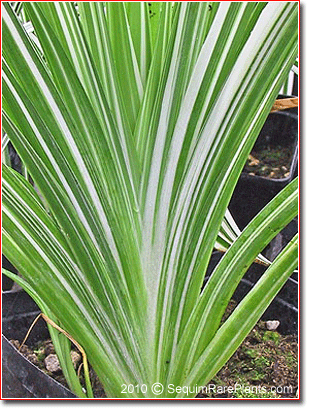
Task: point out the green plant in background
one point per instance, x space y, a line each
134 127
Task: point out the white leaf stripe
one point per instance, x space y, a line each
4 142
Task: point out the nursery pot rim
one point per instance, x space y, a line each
47 380
22 379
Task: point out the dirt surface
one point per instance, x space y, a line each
271 162
264 366
39 354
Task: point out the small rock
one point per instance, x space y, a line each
15 343
33 359
272 324
253 161
52 363
23 350
76 358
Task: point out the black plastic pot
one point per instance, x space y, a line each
283 308
253 192
20 378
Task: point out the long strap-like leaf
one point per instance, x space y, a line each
125 58
139 26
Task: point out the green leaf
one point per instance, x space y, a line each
139 26
125 59
135 128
